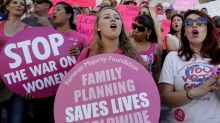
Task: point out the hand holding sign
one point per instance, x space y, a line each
107 88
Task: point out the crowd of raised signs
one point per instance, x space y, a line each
180 49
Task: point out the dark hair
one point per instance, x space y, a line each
216 20
148 22
7 2
204 9
69 10
172 31
210 48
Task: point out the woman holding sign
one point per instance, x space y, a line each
187 79
144 39
63 16
110 36
13 103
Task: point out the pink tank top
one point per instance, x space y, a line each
3 37
149 57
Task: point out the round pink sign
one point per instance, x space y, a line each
107 88
35 61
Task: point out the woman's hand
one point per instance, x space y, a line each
28 96
204 88
74 51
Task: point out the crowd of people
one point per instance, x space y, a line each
189 91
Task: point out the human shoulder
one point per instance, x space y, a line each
172 55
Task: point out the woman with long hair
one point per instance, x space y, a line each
144 39
13 103
187 80
110 36
63 16
172 40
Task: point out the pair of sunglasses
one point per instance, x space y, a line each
201 21
38 1
140 28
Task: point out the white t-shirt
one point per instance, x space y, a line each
175 40
189 74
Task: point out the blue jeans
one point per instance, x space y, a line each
15 109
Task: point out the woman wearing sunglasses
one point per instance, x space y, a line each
144 39
145 10
11 102
172 39
187 79
110 36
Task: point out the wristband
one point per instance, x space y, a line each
187 95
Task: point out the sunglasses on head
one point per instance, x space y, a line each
201 21
38 1
140 28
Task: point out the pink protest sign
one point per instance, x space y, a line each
128 13
85 25
107 88
75 3
166 29
184 5
35 61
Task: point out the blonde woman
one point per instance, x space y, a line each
110 36
13 103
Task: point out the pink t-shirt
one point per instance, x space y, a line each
4 38
77 39
149 57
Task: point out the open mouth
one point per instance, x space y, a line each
176 26
113 26
195 33
54 17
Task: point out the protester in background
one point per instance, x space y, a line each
145 10
40 16
76 11
144 39
63 16
107 3
86 11
169 12
130 2
13 103
110 36
187 80
204 10
172 39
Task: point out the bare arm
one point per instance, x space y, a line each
157 63
170 44
174 99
